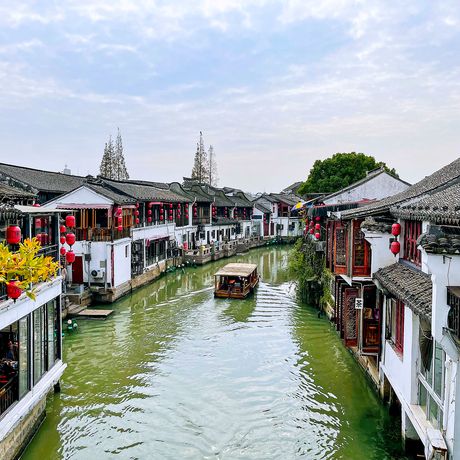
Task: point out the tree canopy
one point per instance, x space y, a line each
113 164
339 171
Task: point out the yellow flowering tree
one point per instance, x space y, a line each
25 266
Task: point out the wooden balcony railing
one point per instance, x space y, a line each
8 394
101 234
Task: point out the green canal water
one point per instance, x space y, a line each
177 374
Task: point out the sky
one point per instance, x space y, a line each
273 85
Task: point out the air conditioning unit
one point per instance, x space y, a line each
97 274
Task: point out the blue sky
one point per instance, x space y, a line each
273 85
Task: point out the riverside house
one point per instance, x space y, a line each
30 330
405 302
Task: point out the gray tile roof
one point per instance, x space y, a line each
38 180
198 194
411 286
449 174
441 206
290 200
262 207
144 192
8 192
440 240
115 196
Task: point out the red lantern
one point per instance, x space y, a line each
136 212
317 226
12 290
70 239
62 229
318 218
149 212
120 220
120 228
62 251
149 220
62 239
70 257
36 205
396 229
70 221
312 230
150 204
118 211
13 234
38 222
170 205
137 221
137 205
317 236
395 247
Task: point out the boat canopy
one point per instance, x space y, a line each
244 270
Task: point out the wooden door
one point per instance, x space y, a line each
77 270
350 317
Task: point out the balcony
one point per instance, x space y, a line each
101 234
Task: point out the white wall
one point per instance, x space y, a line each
381 256
376 188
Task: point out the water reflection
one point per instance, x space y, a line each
176 373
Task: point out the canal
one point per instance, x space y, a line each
177 374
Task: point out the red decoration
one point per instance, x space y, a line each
149 212
70 221
137 221
161 217
120 220
318 218
62 239
396 229
13 234
317 226
118 211
70 257
312 230
317 236
395 247
137 205
12 290
38 222
150 204
149 220
36 205
62 250
170 205
136 212
70 239
62 229
120 228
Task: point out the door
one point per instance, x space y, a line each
77 270
350 317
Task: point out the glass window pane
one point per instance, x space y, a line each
422 395
51 333
437 374
23 356
433 412
38 343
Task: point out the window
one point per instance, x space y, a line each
23 356
340 246
431 387
396 322
412 230
361 252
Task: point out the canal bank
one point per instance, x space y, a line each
175 373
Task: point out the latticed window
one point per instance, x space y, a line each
412 230
340 246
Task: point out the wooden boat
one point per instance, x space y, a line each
235 281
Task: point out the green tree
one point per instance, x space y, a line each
339 171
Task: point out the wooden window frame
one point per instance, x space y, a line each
338 268
397 335
412 230
361 270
